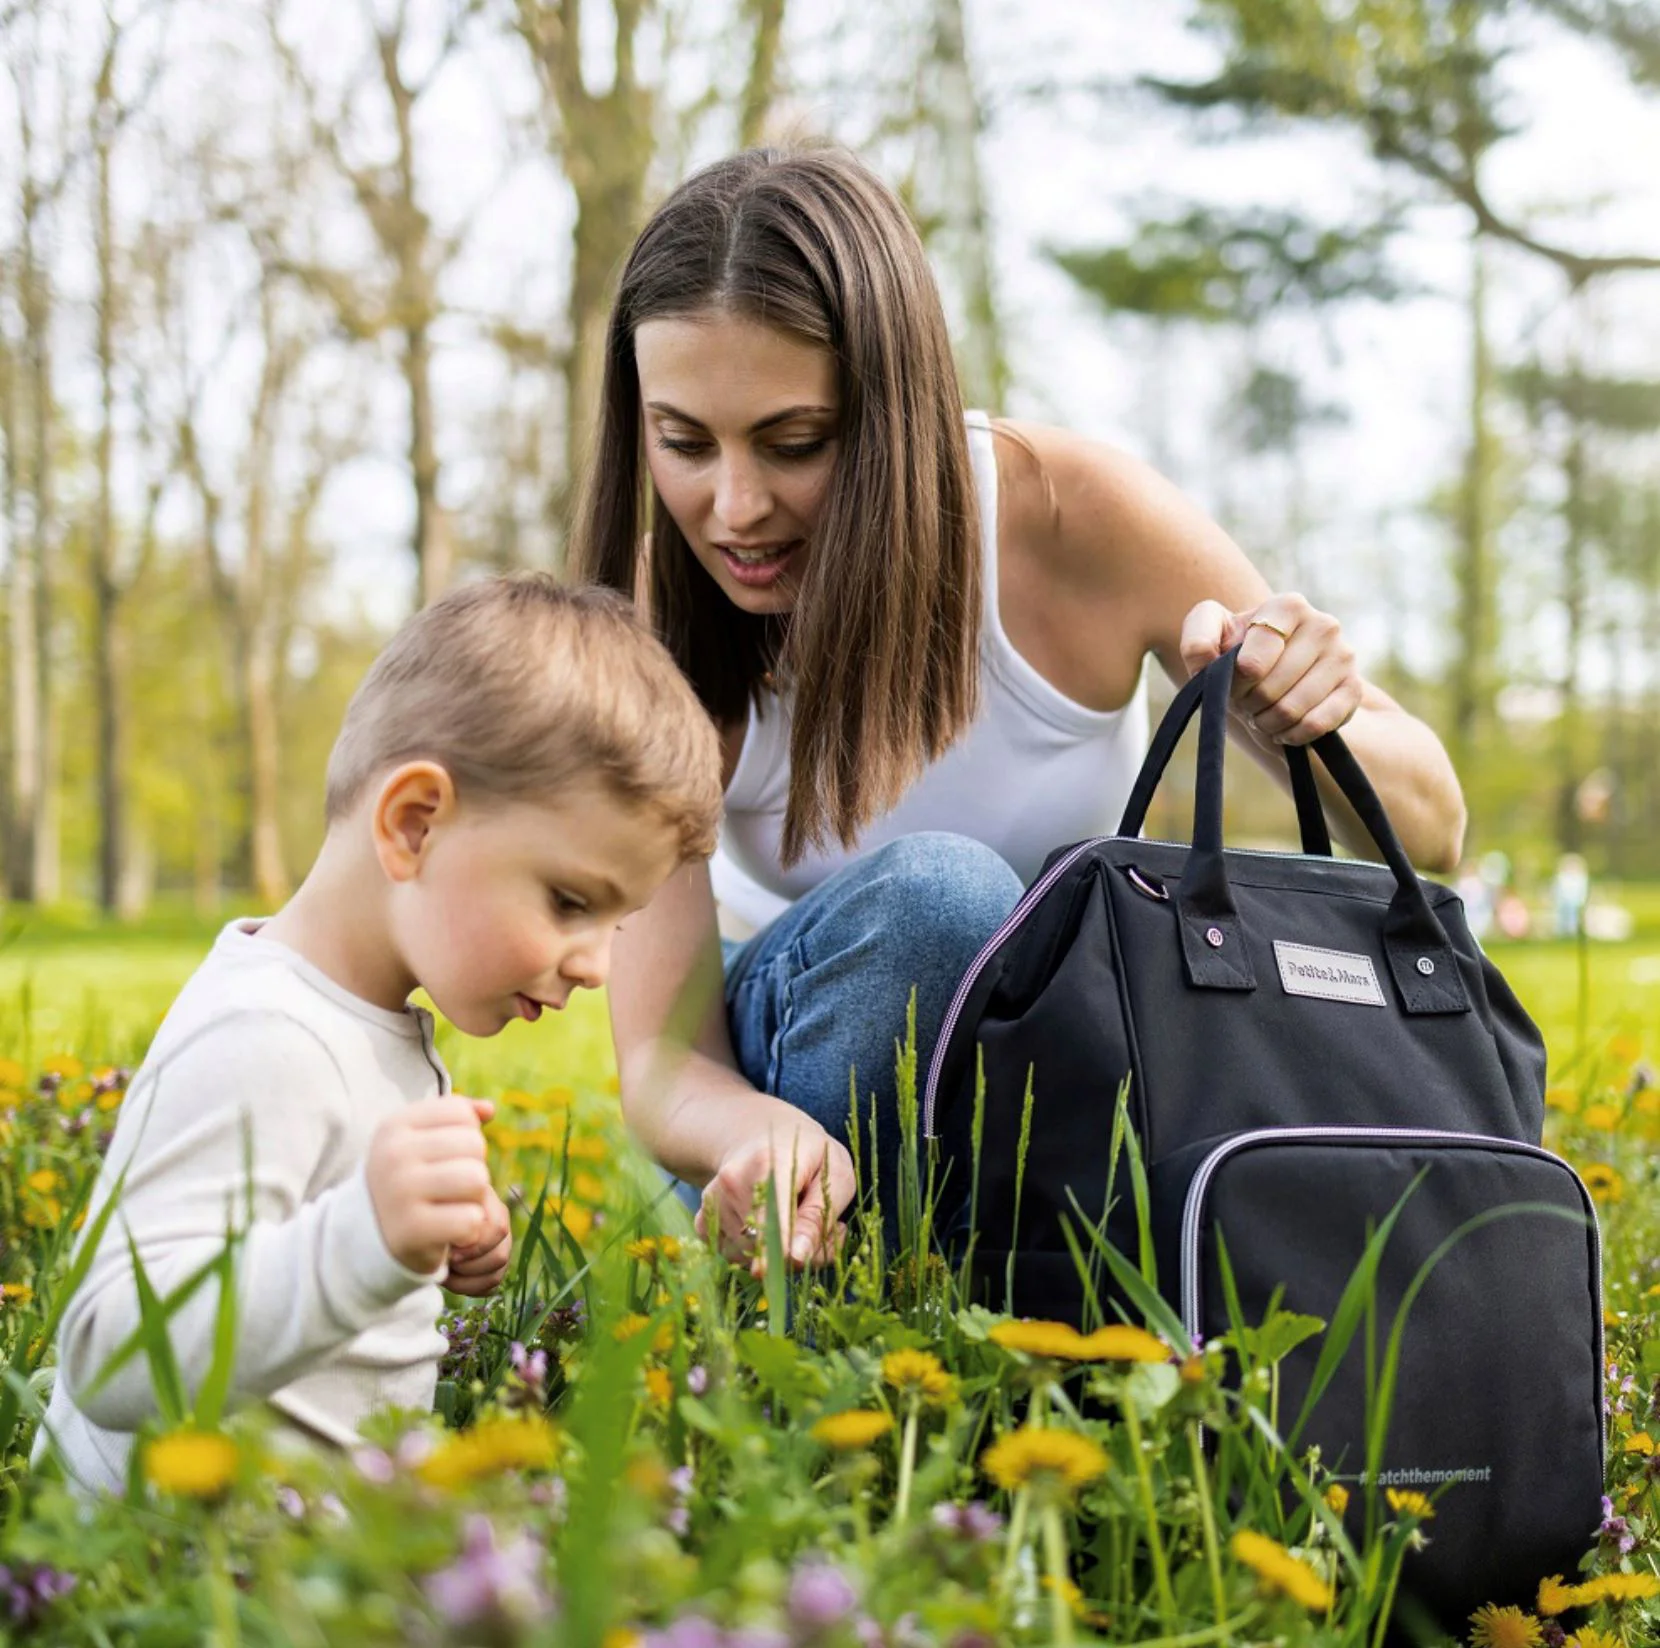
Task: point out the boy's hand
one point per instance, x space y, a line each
478 1269
428 1181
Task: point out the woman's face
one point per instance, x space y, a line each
741 427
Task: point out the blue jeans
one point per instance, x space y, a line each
823 990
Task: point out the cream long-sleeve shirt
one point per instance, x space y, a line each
254 1109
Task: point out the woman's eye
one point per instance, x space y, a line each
686 449
801 449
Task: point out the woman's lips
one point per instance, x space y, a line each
755 573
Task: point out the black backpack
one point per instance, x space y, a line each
1313 1047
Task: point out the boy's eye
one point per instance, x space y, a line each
567 904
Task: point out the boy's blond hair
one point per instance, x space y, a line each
520 687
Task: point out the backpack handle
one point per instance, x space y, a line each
1420 955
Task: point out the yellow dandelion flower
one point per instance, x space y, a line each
1617 1588
856 1428
110 1099
1494 1627
1049 1459
78 1220
612 1085
919 1374
589 1148
632 1324
1337 1498
18 1292
1564 1099
1642 1443
649 1249
43 1214
195 1464
659 1386
1409 1502
1193 1370
588 1187
42 1179
619 1636
12 1074
65 1066
1603 1182
1588 1636
491 1447
1119 1342
577 1219
1601 1115
1556 1596
1625 1049
1278 1571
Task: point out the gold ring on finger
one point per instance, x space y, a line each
1262 623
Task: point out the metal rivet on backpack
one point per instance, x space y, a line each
1425 966
1213 937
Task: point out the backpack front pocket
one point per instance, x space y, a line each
1495 1255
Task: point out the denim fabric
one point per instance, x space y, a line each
823 990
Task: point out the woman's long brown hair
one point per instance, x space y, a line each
881 649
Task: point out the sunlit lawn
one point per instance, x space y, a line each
68 982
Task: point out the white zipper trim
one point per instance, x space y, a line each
1014 918
1192 1209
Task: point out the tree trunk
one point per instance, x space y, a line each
766 18
1472 663
1573 607
433 548
105 591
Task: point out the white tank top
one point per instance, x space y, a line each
1033 771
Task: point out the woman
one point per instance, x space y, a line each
922 636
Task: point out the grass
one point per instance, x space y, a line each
70 981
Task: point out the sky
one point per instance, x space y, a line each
1062 168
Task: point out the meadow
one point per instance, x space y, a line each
637 1445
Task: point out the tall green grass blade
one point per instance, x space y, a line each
153 1317
1019 1185
1155 1311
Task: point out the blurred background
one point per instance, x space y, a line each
299 305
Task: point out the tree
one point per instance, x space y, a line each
44 165
405 301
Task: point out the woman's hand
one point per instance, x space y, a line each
814 1175
1295 678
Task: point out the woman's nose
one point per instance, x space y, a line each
742 499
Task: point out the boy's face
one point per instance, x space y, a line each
513 904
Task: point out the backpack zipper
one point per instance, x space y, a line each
1019 913
1193 1207
1014 918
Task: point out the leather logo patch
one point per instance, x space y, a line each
1332 975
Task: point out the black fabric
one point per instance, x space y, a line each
1182 968
1500 1367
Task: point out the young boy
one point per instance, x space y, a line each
520 769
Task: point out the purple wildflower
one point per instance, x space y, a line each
375 1465
530 1367
490 1582
697 1379
820 1596
757 1636
975 1522
552 1495
289 1502
29 1590
1615 1528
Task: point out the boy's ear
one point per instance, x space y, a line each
412 800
